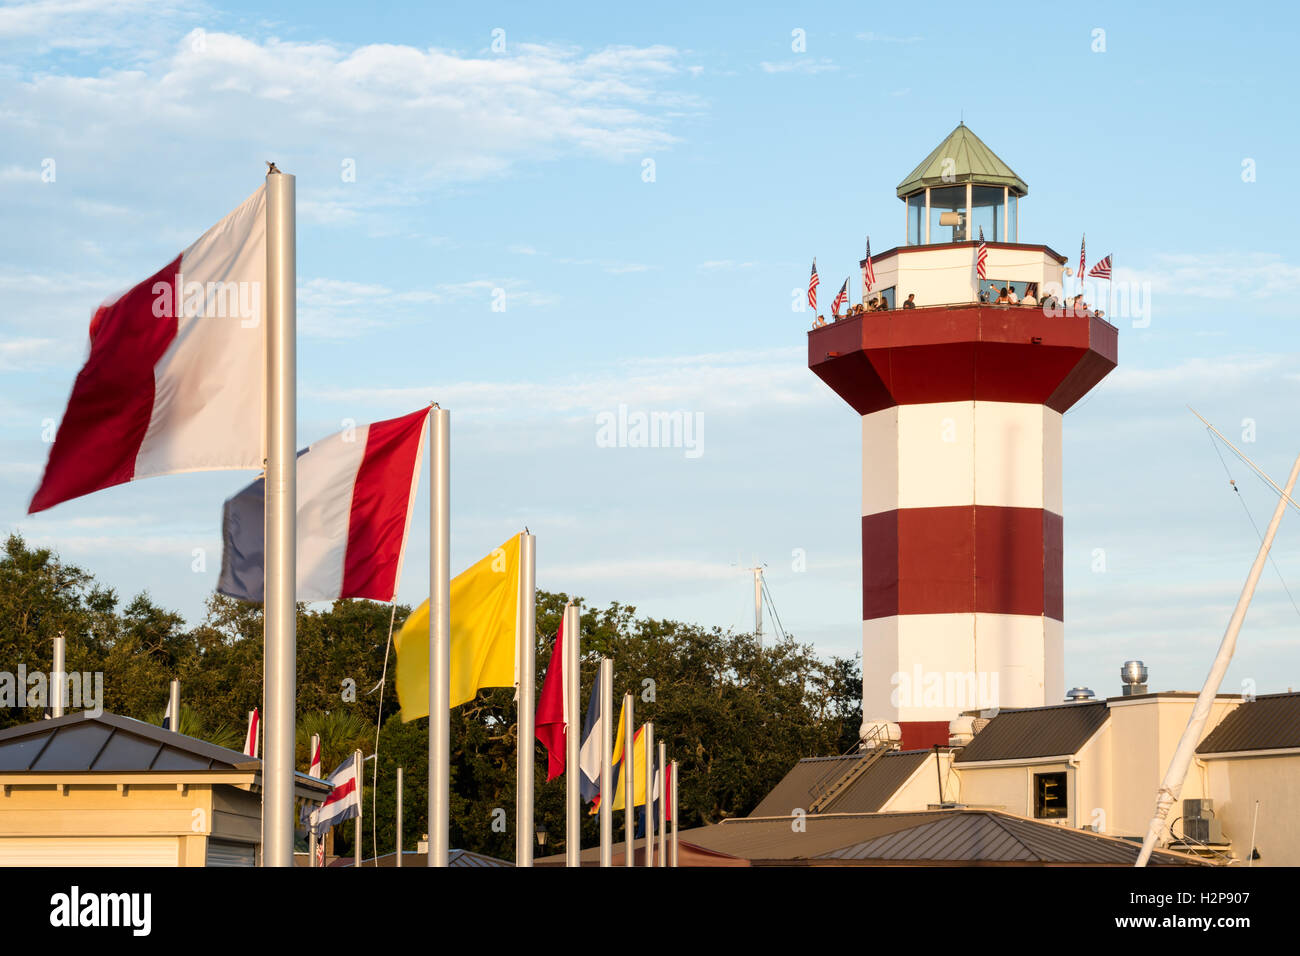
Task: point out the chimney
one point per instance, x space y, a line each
1134 676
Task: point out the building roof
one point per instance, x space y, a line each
1036 732
867 794
972 161
456 858
950 836
112 744
1271 722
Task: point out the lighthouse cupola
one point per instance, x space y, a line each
959 190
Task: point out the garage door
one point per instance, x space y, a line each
89 851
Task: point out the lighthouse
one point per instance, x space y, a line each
961 402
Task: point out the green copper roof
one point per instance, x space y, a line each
972 161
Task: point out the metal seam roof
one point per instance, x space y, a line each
1036 732
971 161
1270 722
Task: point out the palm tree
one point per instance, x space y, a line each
341 732
224 734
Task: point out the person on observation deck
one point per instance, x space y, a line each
911 301
1012 298
1002 297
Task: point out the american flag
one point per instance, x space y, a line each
1102 269
1082 245
841 297
981 257
868 271
813 283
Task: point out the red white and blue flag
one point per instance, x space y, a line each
344 801
981 257
1083 242
813 283
356 491
840 298
868 272
174 377
593 735
1102 269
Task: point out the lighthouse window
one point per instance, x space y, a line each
948 205
1049 796
916 219
987 212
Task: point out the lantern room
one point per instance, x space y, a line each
959 189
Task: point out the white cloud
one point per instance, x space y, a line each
1218 275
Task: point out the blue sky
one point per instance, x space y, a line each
523 170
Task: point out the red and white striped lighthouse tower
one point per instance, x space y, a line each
961 402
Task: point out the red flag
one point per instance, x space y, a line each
550 709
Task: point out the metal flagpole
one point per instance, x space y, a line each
663 807
1172 784
439 635
649 743
174 704
673 861
59 680
399 817
311 830
361 805
629 786
279 612
527 651
606 813
572 733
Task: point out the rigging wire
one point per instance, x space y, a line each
771 606
1242 499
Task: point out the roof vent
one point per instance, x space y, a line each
1076 694
1134 676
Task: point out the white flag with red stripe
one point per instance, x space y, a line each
356 491
314 769
344 801
254 735
174 378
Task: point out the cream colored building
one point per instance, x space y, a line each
112 791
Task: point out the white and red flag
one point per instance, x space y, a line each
344 801
174 377
356 491
314 768
254 735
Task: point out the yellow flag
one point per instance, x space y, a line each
638 774
484 614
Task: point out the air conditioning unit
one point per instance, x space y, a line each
1200 824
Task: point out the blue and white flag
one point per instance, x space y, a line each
589 752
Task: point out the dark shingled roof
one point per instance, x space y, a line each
953 836
1271 722
1036 732
109 743
867 794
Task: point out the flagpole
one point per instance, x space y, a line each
1172 784
527 651
174 705
676 813
649 744
572 732
399 817
311 830
663 807
361 805
59 676
439 635
280 609
629 785
605 813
